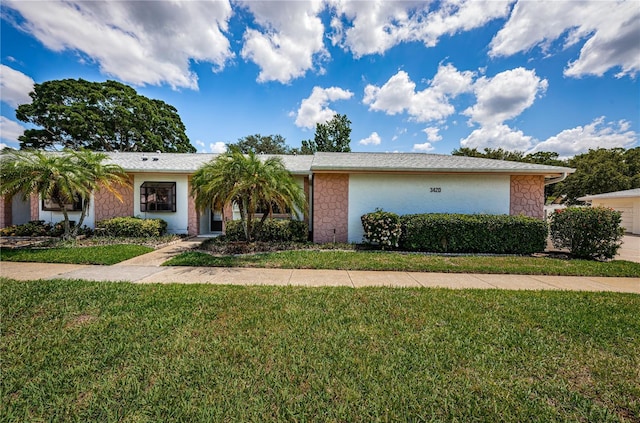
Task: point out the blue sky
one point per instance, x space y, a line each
415 76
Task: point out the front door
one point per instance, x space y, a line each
216 221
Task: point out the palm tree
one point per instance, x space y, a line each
62 178
249 182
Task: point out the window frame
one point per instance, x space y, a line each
49 205
148 188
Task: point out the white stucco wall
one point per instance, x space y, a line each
298 179
56 216
178 221
407 194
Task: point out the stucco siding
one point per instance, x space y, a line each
407 194
58 216
178 221
330 207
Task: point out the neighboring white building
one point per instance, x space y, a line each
627 202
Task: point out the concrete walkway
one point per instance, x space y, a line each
147 269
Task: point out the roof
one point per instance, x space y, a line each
617 194
190 162
421 162
340 162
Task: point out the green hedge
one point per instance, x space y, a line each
41 228
133 227
273 230
588 232
477 233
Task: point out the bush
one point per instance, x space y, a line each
588 232
478 233
41 228
273 230
32 228
133 227
381 228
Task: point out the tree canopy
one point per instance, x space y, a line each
249 182
100 116
334 135
601 171
540 157
261 144
60 178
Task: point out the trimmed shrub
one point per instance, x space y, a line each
273 230
32 228
477 233
381 228
588 232
133 227
41 228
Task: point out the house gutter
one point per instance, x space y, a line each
557 179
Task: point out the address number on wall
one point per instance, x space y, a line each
436 189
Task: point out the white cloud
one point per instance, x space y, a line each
497 136
136 42
292 37
423 147
398 94
433 133
505 96
15 86
314 109
373 139
610 28
10 130
218 147
597 134
373 27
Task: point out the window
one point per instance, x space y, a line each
158 197
263 209
49 205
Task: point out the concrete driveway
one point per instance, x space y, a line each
630 249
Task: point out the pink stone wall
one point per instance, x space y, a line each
227 214
193 216
527 196
306 195
35 207
107 205
5 212
330 207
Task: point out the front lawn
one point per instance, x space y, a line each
100 254
415 262
85 351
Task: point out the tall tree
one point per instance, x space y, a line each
249 182
260 144
100 116
334 135
61 178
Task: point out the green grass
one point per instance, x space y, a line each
85 351
368 260
102 254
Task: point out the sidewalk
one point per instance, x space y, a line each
147 269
